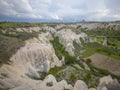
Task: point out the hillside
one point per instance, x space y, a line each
51 56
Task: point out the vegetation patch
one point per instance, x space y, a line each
113 41
71 75
92 48
6 25
52 25
8 47
103 32
60 51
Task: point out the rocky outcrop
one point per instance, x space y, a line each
49 29
107 83
37 55
67 36
49 83
29 29
80 85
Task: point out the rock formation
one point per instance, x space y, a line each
107 83
36 56
50 83
80 85
67 36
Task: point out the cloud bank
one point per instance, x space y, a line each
91 10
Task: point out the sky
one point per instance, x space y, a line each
59 10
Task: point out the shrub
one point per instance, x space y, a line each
69 59
67 89
88 61
49 83
87 77
59 48
73 77
25 35
55 69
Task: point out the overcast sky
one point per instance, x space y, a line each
90 10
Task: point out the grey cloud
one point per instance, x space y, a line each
61 9
113 6
12 7
5 8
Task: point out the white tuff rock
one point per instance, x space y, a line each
80 85
67 36
37 55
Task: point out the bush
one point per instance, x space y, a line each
49 83
69 59
73 77
55 69
67 89
88 61
25 35
59 48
